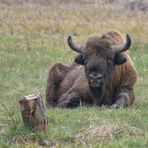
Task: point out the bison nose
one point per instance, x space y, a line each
95 76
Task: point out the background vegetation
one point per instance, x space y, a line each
32 39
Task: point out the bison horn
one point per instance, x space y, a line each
72 45
123 47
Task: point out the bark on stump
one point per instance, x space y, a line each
33 112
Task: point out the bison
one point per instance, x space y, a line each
102 74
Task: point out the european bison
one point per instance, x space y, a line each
103 74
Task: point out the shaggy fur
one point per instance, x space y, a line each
68 86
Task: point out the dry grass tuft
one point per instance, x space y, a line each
21 139
107 130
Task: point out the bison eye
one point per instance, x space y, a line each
85 60
109 60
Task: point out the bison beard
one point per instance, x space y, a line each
98 94
101 58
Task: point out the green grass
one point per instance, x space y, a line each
31 41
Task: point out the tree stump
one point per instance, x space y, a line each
33 112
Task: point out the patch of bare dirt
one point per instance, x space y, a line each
137 5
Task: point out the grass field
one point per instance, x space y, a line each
31 41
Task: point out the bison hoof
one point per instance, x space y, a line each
115 106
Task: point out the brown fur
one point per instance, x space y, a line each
68 86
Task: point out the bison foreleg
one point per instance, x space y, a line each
124 99
56 76
69 100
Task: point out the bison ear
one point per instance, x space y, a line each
79 59
119 59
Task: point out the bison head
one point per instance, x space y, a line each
99 56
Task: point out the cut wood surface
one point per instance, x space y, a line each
33 112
